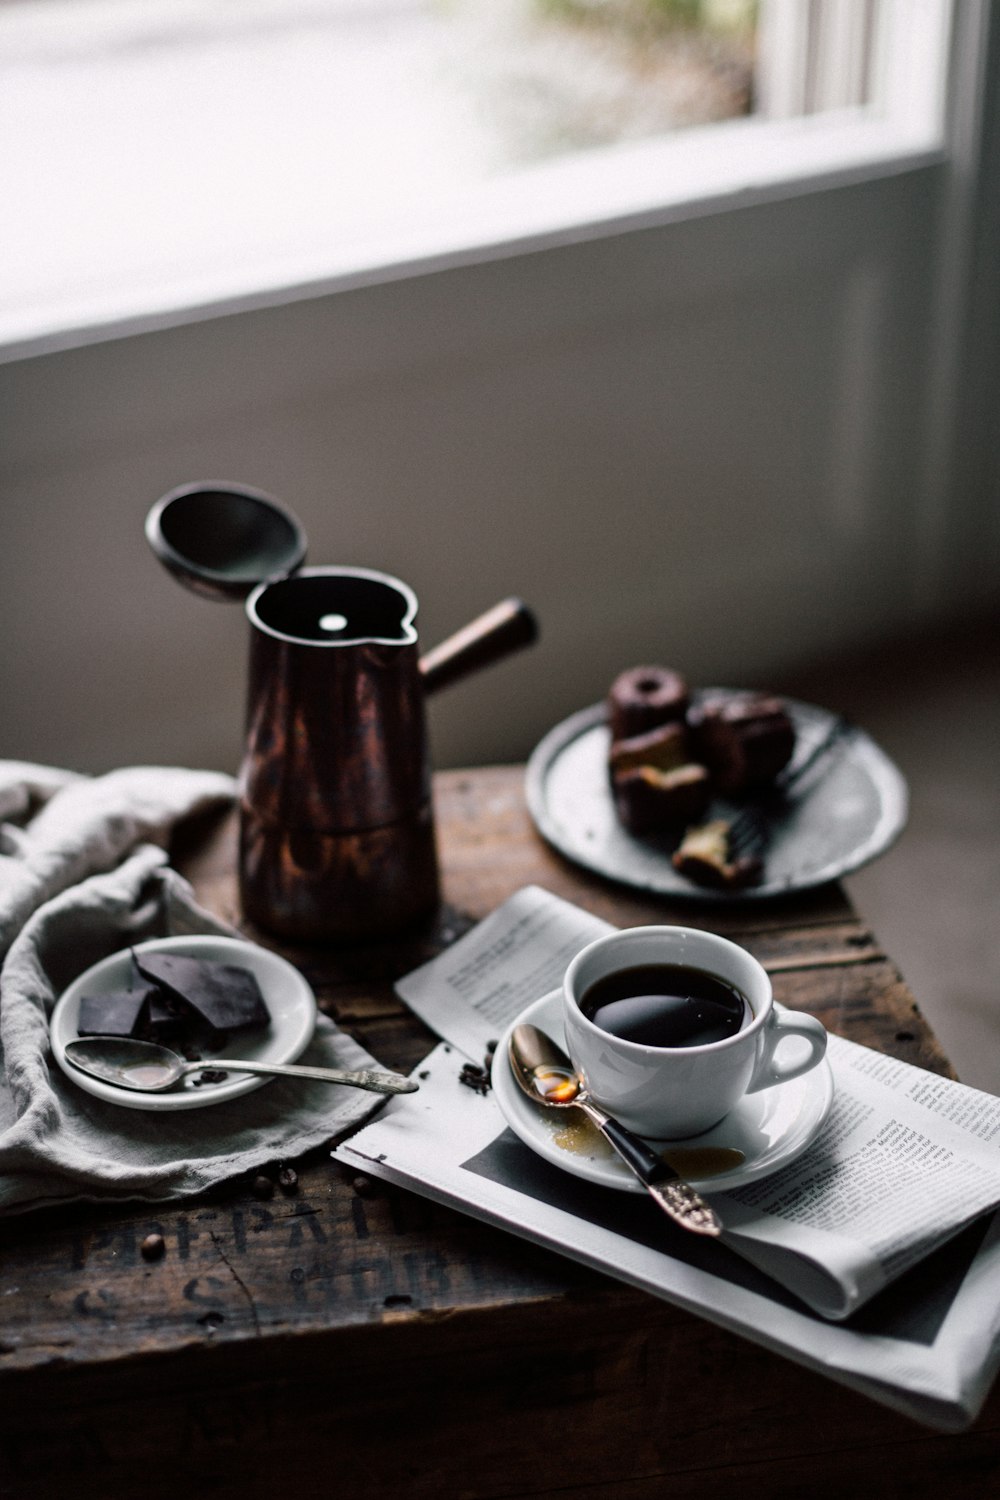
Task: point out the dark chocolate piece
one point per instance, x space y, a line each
224 997
168 1019
116 1013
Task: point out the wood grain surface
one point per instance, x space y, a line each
348 1338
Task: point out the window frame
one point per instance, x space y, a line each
588 195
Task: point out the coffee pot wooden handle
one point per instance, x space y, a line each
508 626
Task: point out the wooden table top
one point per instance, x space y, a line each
355 1338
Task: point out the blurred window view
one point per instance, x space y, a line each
142 135
472 86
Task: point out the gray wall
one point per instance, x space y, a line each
700 444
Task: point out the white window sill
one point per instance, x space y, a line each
219 265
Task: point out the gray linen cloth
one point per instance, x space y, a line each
84 873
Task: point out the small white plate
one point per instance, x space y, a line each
771 1128
289 999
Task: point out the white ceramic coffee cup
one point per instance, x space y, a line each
669 1092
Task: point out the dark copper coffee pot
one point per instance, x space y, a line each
336 824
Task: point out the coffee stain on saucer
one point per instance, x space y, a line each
581 1138
703 1161
577 1135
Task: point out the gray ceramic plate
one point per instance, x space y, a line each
848 808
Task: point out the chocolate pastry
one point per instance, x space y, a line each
651 802
744 739
705 857
643 698
664 749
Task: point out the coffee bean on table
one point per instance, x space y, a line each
153 1247
262 1187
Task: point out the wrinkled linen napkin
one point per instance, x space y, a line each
83 873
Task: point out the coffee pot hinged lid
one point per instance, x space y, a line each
222 540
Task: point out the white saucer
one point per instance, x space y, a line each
289 999
771 1128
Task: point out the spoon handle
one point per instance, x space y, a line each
362 1078
676 1197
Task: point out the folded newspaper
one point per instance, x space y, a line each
873 1256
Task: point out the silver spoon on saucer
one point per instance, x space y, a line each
548 1077
149 1068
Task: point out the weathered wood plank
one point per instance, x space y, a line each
600 1399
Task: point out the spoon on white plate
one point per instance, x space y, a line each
149 1068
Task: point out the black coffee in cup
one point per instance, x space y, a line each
666 1005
